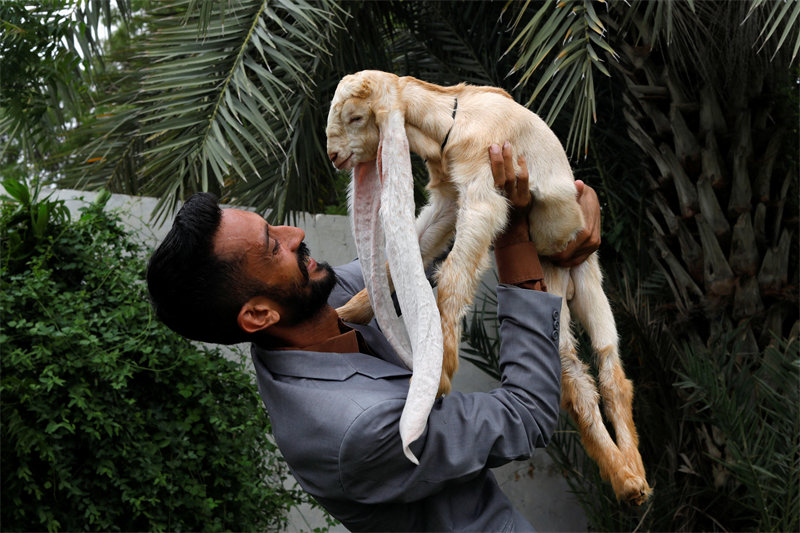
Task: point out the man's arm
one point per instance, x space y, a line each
515 254
585 243
467 433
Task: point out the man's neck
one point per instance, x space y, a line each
317 329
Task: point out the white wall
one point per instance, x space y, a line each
535 486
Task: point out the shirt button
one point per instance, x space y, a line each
555 334
555 314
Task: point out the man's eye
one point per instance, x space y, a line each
275 248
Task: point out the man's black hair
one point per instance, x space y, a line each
192 291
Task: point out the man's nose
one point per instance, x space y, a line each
291 236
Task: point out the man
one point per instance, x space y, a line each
335 391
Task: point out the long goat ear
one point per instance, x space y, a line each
393 146
393 169
414 294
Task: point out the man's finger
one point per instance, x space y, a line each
498 172
579 185
508 163
522 177
569 257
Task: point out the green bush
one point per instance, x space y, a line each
109 420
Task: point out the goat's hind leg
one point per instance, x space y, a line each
590 306
579 396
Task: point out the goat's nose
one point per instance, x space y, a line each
333 156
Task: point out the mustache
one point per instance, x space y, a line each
303 254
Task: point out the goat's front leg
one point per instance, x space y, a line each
481 216
357 310
434 225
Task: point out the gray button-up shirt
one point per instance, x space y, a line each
336 418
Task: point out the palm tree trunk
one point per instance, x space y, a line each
723 221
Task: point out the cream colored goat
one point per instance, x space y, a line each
379 116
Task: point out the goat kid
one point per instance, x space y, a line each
378 115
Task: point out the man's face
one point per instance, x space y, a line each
277 257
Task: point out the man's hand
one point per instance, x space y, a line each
515 255
515 186
588 240
517 191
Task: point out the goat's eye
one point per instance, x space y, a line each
354 119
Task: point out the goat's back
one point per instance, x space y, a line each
487 115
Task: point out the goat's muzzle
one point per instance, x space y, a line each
334 157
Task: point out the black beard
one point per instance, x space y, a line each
302 255
300 307
305 300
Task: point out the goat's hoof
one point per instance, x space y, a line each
444 386
354 314
635 490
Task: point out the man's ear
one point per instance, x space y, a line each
257 314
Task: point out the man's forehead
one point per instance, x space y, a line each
239 230
233 214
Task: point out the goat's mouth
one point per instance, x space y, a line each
343 165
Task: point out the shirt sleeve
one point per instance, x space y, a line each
518 264
516 256
466 432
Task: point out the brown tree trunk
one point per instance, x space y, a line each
720 175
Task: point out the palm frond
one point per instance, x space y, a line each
681 27
445 42
781 23
751 403
480 334
49 54
214 104
563 43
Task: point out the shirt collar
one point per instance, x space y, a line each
353 355
348 341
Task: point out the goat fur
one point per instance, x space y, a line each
362 125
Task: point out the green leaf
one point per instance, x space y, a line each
17 190
40 219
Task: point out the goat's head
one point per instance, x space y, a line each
359 109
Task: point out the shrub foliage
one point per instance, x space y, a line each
109 420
